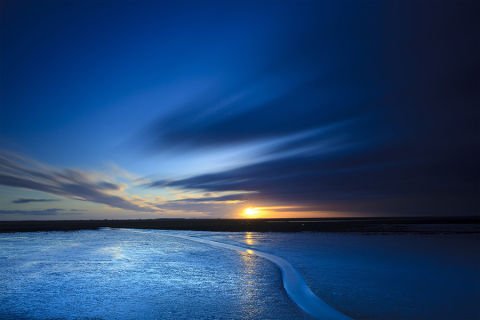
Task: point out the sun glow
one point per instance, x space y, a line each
251 212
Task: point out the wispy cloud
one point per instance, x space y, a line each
28 200
44 212
22 172
101 188
231 198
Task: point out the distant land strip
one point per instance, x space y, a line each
375 225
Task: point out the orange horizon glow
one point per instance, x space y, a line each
251 212
285 212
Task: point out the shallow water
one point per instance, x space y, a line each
120 274
381 276
116 274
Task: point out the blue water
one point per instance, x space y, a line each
119 274
123 275
381 276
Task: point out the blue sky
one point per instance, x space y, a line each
202 109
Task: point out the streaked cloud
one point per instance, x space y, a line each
29 200
43 212
100 188
22 172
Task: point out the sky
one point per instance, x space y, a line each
204 109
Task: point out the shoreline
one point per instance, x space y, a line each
293 283
427 225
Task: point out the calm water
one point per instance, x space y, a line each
382 276
119 274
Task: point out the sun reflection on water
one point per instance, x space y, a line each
249 239
250 288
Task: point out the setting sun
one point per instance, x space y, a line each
251 212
